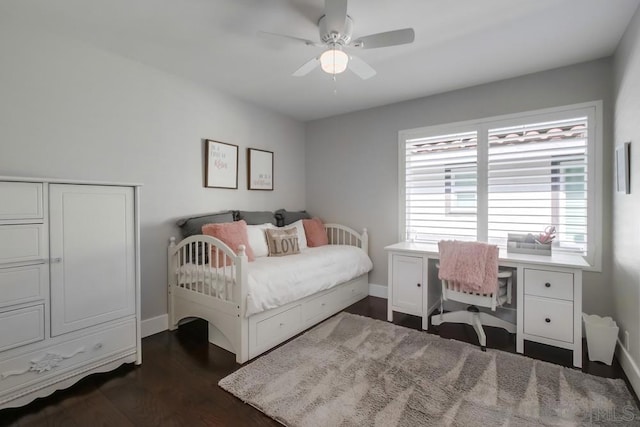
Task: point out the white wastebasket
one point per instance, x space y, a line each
602 333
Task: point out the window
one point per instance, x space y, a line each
440 185
537 177
518 174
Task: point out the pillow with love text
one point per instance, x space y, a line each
283 242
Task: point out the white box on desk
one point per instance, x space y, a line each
516 244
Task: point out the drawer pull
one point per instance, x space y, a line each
56 260
419 285
547 320
323 304
98 346
281 325
547 285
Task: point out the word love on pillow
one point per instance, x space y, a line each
282 242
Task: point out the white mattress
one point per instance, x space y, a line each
276 281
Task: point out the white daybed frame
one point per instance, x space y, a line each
225 306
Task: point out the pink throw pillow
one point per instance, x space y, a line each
233 234
315 232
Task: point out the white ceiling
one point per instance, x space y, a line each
458 43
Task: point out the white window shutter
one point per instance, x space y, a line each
441 187
537 177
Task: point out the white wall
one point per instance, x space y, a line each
626 207
352 160
71 111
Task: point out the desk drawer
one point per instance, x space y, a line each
20 200
548 318
22 284
548 284
21 327
21 243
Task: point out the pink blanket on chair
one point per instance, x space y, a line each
471 265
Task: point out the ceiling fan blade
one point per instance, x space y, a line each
284 36
307 67
389 38
335 13
361 68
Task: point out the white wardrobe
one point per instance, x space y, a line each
69 283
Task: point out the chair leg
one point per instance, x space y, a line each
474 317
477 325
440 319
490 320
452 317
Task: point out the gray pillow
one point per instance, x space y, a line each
256 217
193 225
285 217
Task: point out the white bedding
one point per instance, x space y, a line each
276 281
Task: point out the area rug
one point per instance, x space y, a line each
357 371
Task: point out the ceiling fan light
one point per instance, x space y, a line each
334 61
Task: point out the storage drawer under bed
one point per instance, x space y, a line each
268 329
278 327
336 299
319 307
354 291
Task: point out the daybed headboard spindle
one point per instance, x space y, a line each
341 235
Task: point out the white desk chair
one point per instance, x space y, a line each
473 316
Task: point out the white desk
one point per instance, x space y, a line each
548 293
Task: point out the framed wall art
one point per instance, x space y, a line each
260 169
622 168
221 165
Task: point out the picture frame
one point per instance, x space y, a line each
259 169
622 168
221 165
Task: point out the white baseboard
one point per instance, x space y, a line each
629 366
154 325
379 291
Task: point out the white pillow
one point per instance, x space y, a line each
302 237
258 239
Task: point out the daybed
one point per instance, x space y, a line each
253 306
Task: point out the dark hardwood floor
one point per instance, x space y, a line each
177 382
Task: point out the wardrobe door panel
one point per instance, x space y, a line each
92 250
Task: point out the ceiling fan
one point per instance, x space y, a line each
336 28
